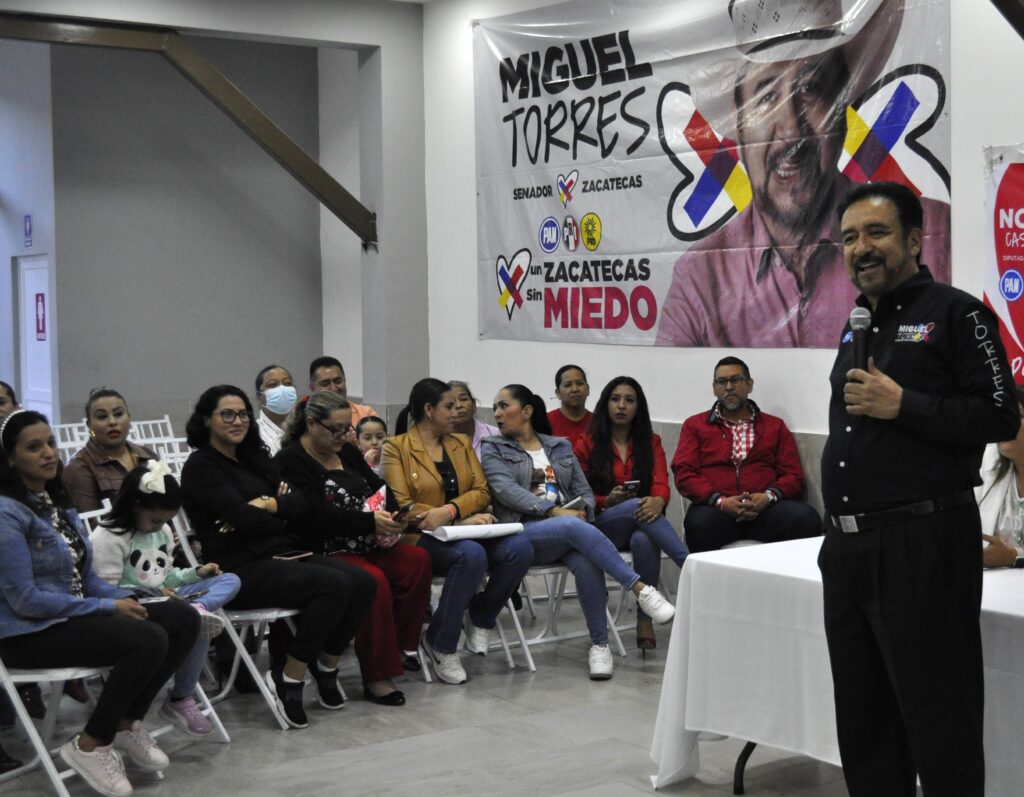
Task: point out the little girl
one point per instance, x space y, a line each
371 432
133 549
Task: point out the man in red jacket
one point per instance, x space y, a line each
740 469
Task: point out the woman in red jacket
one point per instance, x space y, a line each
625 465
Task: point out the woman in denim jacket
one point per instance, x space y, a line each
56 612
531 476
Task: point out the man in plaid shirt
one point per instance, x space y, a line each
740 469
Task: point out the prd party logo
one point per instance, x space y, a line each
570 234
511 276
566 185
549 235
591 227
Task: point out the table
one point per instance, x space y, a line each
748 659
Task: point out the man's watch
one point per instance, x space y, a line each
772 497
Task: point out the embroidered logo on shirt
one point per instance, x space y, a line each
914 333
848 337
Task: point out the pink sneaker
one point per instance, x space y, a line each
186 716
210 625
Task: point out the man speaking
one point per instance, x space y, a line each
901 561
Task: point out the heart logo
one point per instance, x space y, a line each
566 185
511 274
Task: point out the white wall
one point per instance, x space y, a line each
986 53
26 177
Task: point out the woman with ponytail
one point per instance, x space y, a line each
534 477
624 462
437 472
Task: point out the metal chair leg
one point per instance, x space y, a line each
741 763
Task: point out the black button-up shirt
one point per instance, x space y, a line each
942 347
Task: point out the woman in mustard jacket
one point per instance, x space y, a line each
439 474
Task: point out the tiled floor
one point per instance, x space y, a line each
551 733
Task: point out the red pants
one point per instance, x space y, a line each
403 574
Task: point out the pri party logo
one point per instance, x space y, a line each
511 275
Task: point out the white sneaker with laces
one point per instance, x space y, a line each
601 662
446 665
655 606
140 748
478 640
210 625
102 769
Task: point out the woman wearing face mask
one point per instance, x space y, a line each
276 394
96 472
533 477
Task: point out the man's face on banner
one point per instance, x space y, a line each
791 125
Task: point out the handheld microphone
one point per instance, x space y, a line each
860 320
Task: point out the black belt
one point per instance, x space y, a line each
889 517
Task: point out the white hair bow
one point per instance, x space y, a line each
153 481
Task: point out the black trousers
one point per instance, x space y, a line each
334 598
142 655
902 609
708 529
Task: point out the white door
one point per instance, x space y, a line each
35 334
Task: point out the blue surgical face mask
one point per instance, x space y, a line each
280 399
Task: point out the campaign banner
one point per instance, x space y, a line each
666 173
1004 268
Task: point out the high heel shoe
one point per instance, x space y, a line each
645 640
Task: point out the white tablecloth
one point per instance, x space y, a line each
748 659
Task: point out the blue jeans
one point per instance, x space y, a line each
221 589
646 541
463 563
589 555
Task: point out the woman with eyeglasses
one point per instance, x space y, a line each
347 518
438 473
624 462
245 517
96 471
56 612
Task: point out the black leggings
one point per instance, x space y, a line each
142 655
334 598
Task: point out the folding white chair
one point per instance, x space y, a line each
256 620
147 432
71 437
41 742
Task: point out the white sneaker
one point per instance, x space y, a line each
102 769
478 640
140 748
446 665
655 606
601 662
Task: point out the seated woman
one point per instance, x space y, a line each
275 392
532 475
133 549
96 472
56 612
8 401
625 464
241 510
437 472
1001 499
337 483
466 421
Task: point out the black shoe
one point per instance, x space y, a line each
517 599
289 699
328 694
411 663
396 698
32 698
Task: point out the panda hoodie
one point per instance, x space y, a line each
136 559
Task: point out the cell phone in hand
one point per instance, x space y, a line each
576 503
161 599
632 486
293 555
194 596
403 513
